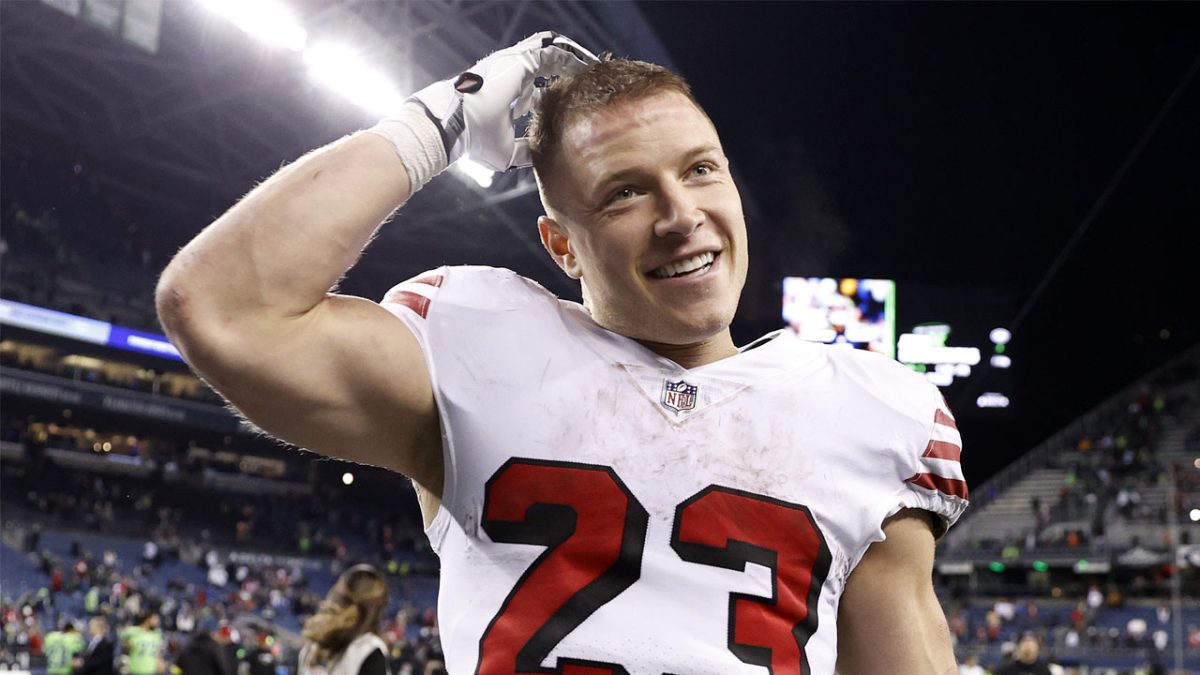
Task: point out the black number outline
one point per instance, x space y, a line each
736 553
551 525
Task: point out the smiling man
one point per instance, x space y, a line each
612 487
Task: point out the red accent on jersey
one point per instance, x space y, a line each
942 418
943 450
430 279
594 531
727 528
932 481
414 301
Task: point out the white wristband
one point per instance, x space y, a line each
418 142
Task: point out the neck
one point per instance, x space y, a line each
696 354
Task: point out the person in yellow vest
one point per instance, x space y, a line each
143 646
61 647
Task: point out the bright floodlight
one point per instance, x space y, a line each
475 171
344 71
347 478
1194 515
1000 336
266 20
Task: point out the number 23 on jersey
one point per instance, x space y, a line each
594 531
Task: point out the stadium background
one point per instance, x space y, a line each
1028 167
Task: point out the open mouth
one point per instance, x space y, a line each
694 266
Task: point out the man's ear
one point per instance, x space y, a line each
557 242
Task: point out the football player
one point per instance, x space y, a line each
612 487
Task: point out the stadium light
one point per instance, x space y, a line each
347 478
475 171
1195 515
992 399
265 20
341 69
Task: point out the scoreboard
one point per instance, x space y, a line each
953 335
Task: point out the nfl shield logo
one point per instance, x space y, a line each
679 396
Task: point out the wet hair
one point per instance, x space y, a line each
599 86
352 607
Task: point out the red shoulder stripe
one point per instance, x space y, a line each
943 450
431 279
414 301
942 418
948 486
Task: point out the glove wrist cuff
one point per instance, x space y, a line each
418 143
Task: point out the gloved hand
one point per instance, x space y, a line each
475 111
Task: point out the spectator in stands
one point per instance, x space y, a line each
98 656
341 638
1025 659
143 644
205 653
61 648
970 666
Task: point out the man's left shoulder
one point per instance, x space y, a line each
883 377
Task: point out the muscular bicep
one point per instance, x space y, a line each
346 380
889 619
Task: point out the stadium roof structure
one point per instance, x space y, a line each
185 116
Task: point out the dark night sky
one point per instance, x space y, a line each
950 146
961 146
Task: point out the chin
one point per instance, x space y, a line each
692 331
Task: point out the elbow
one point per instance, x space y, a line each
182 317
171 302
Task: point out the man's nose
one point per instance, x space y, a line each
679 214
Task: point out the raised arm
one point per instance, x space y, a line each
247 302
890 620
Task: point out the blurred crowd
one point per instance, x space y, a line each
1120 484
246 604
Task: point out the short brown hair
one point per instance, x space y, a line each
596 87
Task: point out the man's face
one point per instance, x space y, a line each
1027 650
646 214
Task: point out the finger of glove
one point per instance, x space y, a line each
530 44
521 156
579 51
553 62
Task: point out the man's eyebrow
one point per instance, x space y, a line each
705 149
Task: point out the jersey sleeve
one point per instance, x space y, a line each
411 301
936 482
478 329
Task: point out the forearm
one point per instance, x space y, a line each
277 252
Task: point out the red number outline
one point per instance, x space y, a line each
538 502
734 553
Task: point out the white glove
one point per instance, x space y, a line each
476 110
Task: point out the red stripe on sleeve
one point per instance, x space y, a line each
943 450
942 418
948 486
430 279
414 301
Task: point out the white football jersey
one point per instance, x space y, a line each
606 511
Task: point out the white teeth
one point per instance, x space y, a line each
684 266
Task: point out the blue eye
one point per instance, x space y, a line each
623 193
